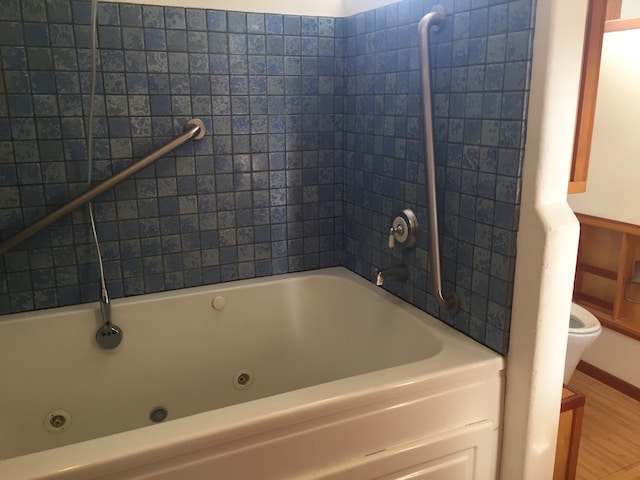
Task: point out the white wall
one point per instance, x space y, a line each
328 8
614 168
630 9
351 7
623 363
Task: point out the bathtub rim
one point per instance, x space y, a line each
214 288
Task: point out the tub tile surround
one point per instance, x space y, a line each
480 78
255 197
314 142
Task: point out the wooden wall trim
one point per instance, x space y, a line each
623 24
574 446
608 223
571 403
591 54
610 380
614 9
576 186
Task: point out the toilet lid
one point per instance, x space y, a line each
582 321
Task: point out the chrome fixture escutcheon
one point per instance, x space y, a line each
404 230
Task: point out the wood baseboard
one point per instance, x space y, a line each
610 380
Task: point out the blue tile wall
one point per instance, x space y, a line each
314 143
481 59
255 197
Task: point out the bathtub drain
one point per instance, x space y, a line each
57 421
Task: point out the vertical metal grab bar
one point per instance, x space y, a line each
434 18
193 130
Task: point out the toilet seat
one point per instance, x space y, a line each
586 321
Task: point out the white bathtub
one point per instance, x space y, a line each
346 381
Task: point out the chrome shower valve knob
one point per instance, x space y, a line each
404 230
393 231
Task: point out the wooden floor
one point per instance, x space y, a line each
610 442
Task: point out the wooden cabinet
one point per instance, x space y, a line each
607 256
569 429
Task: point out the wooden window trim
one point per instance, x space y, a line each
614 9
602 16
596 15
621 24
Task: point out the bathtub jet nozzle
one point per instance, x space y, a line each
108 335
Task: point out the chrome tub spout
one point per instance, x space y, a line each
399 272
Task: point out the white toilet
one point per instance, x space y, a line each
584 328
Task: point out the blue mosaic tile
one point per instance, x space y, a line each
153 16
219 64
175 18
498 18
155 39
133 38
108 14
131 15
109 37
11 33
32 11
237 22
274 24
197 42
196 19
216 20
39 59
176 40
518 46
291 25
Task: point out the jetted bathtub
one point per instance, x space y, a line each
309 375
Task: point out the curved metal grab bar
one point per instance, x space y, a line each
193 130
434 18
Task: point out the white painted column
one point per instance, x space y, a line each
547 246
